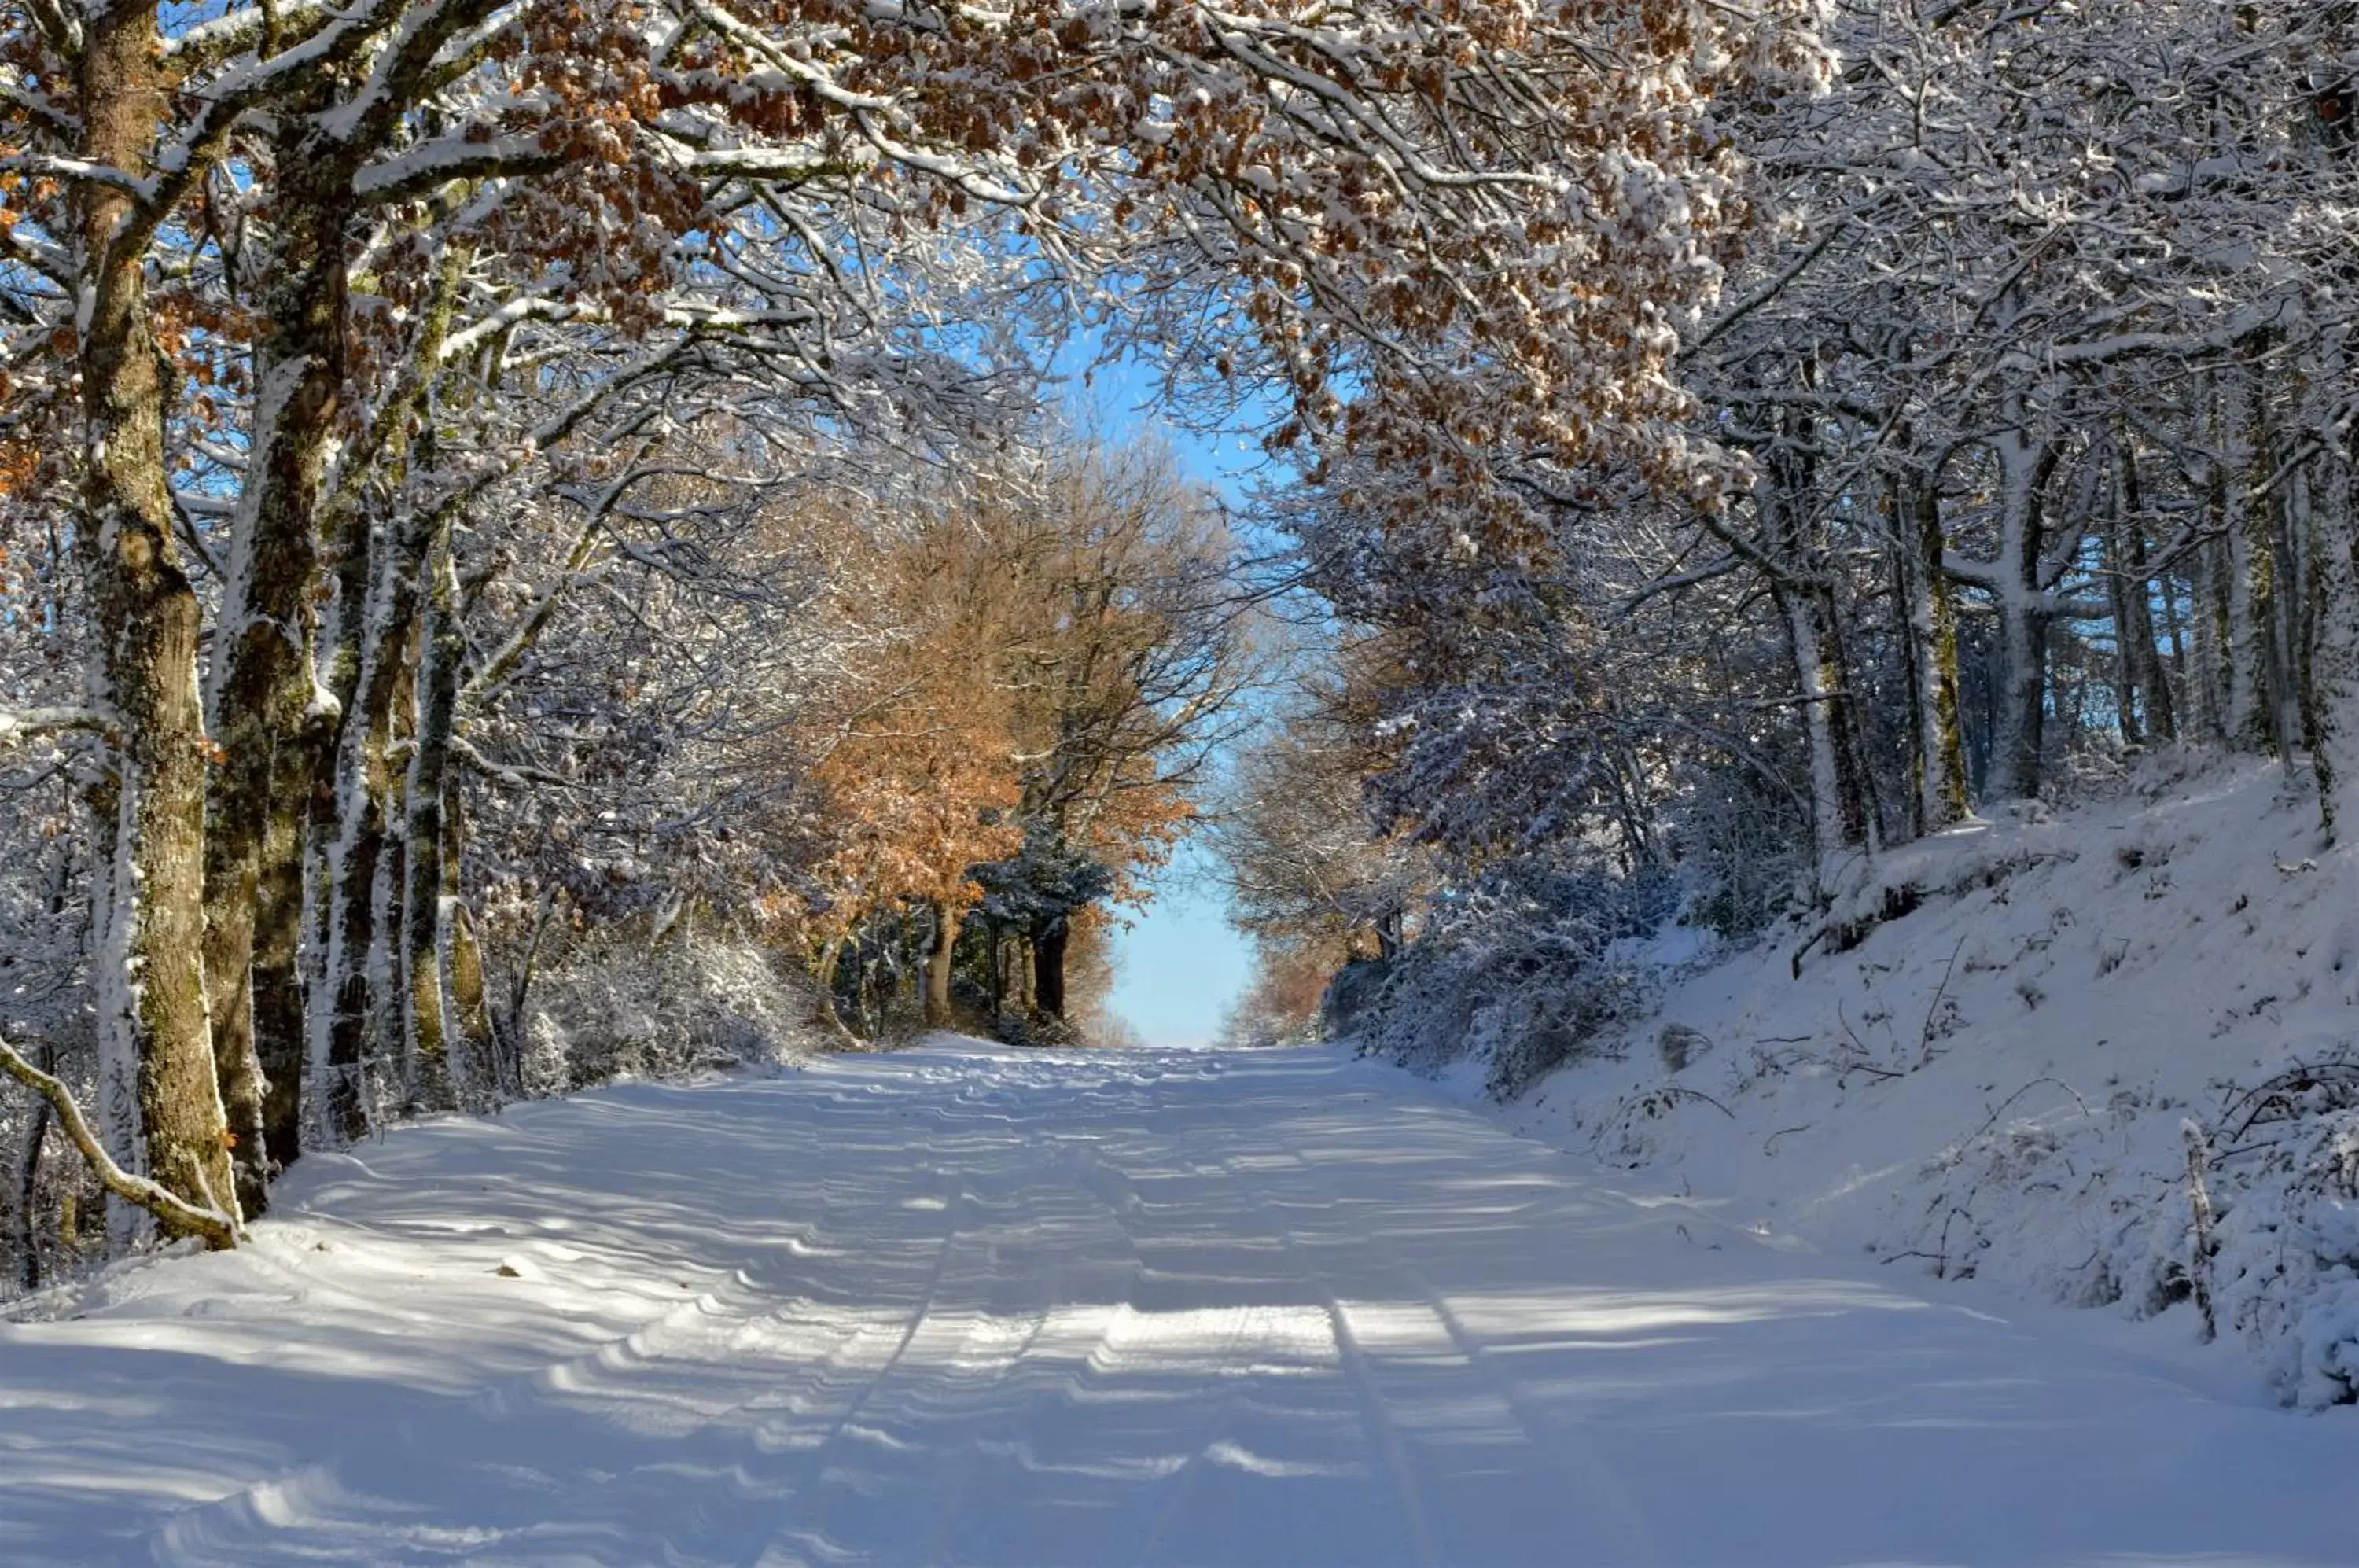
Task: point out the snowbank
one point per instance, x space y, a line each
1980 1066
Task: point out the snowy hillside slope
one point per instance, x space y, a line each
1994 1082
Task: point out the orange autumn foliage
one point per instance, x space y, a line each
1031 662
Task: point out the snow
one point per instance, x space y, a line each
964 1304
1993 1084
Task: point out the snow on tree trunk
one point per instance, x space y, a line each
1831 822
350 996
261 691
2027 460
2334 518
349 891
148 966
426 1044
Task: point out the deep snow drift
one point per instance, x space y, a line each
973 1306
1996 1081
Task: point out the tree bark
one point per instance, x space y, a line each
470 1004
2333 697
149 957
2019 751
831 1019
350 826
29 1179
1933 625
2158 714
948 919
262 684
375 571
278 926
2019 747
426 1013
1783 496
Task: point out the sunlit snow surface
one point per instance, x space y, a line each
970 1306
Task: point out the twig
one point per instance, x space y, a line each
1992 1120
1924 1034
1859 1063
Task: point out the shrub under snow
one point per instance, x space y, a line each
616 1005
1522 973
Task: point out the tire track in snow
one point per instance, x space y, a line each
1579 1461
1407 1492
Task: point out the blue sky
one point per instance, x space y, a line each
1177 969
1180 965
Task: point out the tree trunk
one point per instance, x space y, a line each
1783 496
1050 939
948 919
28 1177
149 959
261 686
376 572
1932 610
349 826
2333 700
426 1018
470 1009
996 960
831 959
2208 596
1836 816
2274 609
2247 611
278 926
1019 988
2146 672
2118 590
2018 745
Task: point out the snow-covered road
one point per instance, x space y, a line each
970 1306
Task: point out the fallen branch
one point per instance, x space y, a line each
175 1214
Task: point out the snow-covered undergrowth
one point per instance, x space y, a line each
1522 971
1986 1064
617 1005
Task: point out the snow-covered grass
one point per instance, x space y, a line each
973 1305
1993 1082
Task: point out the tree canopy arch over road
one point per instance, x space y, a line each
347 350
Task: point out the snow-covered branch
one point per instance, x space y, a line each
215 1228
19 725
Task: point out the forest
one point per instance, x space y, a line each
540 542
